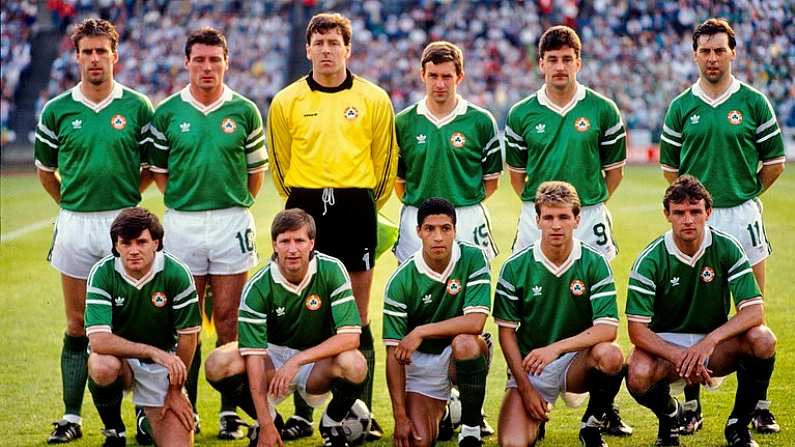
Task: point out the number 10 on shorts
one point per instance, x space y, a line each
246 240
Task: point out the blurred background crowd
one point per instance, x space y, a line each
639 53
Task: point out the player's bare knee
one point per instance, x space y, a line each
608 357
639 375
762 341
223 362
465 346
74 325
104 369
352 366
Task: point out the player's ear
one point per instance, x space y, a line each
159 245
311 245
113 250
308 56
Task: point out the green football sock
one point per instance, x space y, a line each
471 376
366 348
344 394
108 399
302 409
692 392
74 372
658 399
602 389
753 378
192 382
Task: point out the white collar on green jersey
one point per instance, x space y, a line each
459 109
157 266
116 92
226 95
544 100
278 278
424 269
558 271
671 247
702 95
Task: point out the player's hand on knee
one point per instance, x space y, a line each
538 359
406 347
178 404
280 383
534 404
269 436
177 372
405 434
692 366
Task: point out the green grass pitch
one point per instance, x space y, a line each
32 323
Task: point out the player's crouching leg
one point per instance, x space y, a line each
106 383
225 370
603 380
471 364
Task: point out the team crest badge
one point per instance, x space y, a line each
707 275
577 287
313 302
228 125
351 113
118 122
159 299
735 117
457 139
582 124
453 287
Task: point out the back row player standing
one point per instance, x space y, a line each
93 137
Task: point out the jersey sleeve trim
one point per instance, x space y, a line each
476 282
768 136
506 323
614 129
392 302
750 302
253 320
157 170
189 330
639 318
186 303
642 279
615 165
342 300
349 330
391 342
519 170
596 296
256 142
671 132
46 130
667 168
99 329
98 291
669 141
42 167
506 284
506 295
606 320
491 176
774 161
613 141
765 126
739 274
184 294
252 351
476 310
396 314
43 140
641 290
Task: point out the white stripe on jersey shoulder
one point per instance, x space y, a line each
522 102
46 131
400 268
57 97
660 239
490 116
179 263
759 92
96 266
47 142
729 237
325 257
593 250
243 306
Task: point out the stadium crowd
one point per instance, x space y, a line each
638 53
18 19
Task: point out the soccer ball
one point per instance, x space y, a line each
356 423
454 407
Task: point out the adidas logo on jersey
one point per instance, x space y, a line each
280 311
421 139
674 281
537 290
119 301
77 124
427 299
694 119
541 128
184 127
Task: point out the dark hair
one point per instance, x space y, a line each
713 26
435 205
556 193
686 188
206 36
326 21
95 28
291 220
440 52
130 223
558 37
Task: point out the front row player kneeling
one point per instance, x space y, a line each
555 306
298 332
435 307
142 320
678 303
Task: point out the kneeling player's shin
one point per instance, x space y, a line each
602 388
471 376
345 394
108 399
657 398
192 383
753 378
367 349
236 390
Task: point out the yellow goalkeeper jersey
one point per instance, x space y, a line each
340 137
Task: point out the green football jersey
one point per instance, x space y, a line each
98 149
546 303
417 295
207 151
273 310
448 157
152 310
673 292
721 141
573 144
